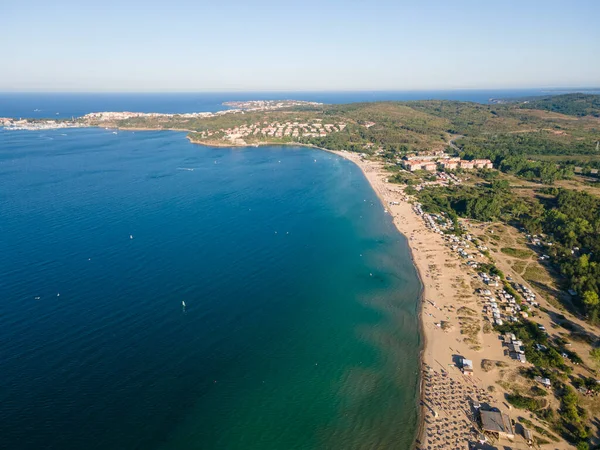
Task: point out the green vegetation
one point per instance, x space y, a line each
570 218
535 274
571 420
570 104
588 383
516 253
540 430
490 269
530 334
574 221
484 203
509 135
524 402
572 417
595 355
511 153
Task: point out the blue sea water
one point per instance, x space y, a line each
300 326
44 105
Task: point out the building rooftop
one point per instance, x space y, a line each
496 422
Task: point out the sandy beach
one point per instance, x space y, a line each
449 308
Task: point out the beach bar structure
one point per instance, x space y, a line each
497 423
467 366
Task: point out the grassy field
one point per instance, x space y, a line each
534 273
517 253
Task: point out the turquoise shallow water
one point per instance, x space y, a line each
300 330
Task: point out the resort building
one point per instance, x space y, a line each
419 164
450 164
482 164
430 163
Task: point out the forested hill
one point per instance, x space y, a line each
571 104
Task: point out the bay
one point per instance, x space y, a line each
300 325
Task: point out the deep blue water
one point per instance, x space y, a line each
77 104
300 330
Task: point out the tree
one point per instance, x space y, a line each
595 355
500 186
591 300
409 190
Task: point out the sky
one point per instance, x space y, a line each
231 45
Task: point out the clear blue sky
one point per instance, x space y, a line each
224 45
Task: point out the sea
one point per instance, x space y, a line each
66 105
156 294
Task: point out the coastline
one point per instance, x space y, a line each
374 173
447 295
407 222
446 288
355 158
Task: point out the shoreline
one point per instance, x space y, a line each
355 158
444 393
415 220
446 288
404 211
447 295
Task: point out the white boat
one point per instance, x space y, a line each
183 304
131 236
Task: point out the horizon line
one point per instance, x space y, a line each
553 88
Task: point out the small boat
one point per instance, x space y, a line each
183 303
58 295
114 132
131 236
